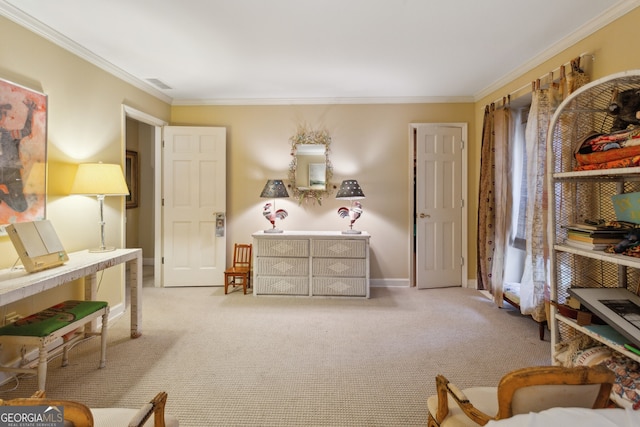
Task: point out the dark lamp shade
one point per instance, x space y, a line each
350 189
274 189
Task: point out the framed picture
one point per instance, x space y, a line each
132 177
23 154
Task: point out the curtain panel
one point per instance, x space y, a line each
534 289
503 205
486 203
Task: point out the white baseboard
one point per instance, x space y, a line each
404 283
389 283
116 311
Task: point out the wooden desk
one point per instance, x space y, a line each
18 284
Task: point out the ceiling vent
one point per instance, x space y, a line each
159 83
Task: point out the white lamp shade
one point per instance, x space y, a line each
94 179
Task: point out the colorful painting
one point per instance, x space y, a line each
23 154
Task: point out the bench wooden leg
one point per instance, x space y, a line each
65 354
103 340
42 366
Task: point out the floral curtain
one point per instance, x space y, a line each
494 203
534 289
535 277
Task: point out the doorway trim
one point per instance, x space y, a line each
158 124
463 191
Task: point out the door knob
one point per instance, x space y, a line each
424 216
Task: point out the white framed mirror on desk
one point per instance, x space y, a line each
311 263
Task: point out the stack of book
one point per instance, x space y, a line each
594 237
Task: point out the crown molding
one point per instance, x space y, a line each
10 12
613 13
328 101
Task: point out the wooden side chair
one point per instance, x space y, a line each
520 392
240 272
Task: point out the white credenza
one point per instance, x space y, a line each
311 263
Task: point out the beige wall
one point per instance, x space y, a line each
84 124
369 143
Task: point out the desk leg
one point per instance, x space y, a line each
135 283
90 294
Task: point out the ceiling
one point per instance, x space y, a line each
315 51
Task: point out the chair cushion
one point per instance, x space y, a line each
110 417
483 398
53 318
572 417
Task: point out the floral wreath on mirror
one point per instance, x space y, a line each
308 136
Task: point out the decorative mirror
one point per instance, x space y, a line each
310 170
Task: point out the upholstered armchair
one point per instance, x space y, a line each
521 391
79 415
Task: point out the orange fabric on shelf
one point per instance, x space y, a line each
627 162
607 156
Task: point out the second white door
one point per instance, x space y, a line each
438 206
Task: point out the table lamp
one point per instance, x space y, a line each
100 180
274 189
350 190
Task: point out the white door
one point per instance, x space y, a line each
194 193
438 206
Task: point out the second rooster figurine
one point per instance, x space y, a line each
353 214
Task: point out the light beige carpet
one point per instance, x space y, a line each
240 360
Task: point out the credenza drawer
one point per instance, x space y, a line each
340 248
272 285
272 266
339 286
283 247
339 267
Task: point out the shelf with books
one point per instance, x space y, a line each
596 234
586 245
618 259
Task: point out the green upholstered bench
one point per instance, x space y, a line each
62 321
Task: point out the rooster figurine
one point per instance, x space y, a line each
272 215
353 214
